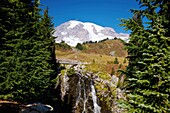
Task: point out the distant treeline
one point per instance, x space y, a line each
91 42
63 45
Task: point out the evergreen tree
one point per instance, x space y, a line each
12 30
49 40
79 46
26 51
148 75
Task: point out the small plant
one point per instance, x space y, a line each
116 61
110 62
93 61
70 72
120 66
124 61
113 71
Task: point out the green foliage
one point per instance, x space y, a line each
147 76
103 40
27 60
63 46
106 92
120 65
110 62
104 76
116 61
79 46
71 72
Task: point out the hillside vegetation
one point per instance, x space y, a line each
97 55
106 47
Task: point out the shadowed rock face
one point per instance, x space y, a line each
73 32
9 107
109 32
15 107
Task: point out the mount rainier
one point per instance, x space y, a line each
73 32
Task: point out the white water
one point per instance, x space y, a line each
85 99
79 92
94 97
64 85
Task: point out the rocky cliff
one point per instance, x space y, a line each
89 92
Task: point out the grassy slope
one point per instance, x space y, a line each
106 47
97 55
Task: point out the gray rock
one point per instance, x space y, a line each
37 108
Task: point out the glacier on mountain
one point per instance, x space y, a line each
73 32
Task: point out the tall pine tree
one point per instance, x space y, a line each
25 52
148 75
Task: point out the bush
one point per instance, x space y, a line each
63 46
116 61
79 46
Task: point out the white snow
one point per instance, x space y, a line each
57 41
90 28
63 33
87 25
73 23
97 27
72 40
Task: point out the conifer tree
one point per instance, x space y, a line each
79 46
148 75
26 51
12 30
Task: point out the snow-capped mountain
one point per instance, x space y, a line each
73 32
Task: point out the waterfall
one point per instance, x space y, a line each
80 87
85 98
64 84
80 84
94 97
78 90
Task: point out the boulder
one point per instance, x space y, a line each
37 108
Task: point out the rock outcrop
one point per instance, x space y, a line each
89 92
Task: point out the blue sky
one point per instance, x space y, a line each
106 13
